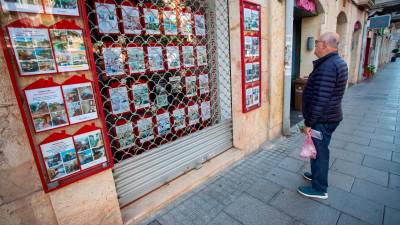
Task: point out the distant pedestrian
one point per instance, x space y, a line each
322 110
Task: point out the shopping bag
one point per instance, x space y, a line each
308 150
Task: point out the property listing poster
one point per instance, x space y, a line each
170 23
136 59
61 7
252 96
204 84
119 100
140 96
69 50
201 51
90 148
60 158
176 84
155 58
188 56
152 21
163 124
251 19
173 59
107 18
160 90
193 114
179 118
32 50
200 25
191 87
113 61
47 108
131 20
205 110
145 127
186 26
252 46
30 6
80 102
125 135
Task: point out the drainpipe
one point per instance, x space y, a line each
288 66
362 53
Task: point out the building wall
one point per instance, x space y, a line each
22 199
253 128
326 21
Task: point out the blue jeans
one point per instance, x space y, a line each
320 165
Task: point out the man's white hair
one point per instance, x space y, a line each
331 39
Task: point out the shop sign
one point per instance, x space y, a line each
379 22
307 5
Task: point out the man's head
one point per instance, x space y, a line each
328 42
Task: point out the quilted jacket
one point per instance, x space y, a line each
323 93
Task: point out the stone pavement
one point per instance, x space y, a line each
364 175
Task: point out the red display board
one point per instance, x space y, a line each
250 34
58 108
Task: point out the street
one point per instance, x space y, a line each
364 177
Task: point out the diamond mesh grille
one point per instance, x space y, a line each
163 69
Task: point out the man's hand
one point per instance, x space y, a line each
307 130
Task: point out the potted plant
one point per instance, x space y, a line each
369 70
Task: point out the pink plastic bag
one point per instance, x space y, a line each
308 150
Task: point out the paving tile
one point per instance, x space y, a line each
264 190
224 219
291 164
386 131
304 209
378 125
376 136
394 182
361 208
392 217
249 211
296 154
337 143
347 155
384 154
351 138
349 220
385 145
376 193
373 175
381 164
286 179
340 180
168 219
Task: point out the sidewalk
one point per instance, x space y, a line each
364 175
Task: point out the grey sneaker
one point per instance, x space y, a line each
311 192
307 176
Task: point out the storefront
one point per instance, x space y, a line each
150 81
109 100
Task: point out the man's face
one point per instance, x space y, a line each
319 48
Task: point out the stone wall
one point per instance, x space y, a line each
22 200
253 128
327 21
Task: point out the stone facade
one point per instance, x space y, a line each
253 128
330 12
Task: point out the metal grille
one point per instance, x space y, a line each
163 69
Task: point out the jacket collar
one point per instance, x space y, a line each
322 59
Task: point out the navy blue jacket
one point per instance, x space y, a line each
322 96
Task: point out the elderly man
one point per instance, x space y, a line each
322 109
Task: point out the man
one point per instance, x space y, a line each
322 109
